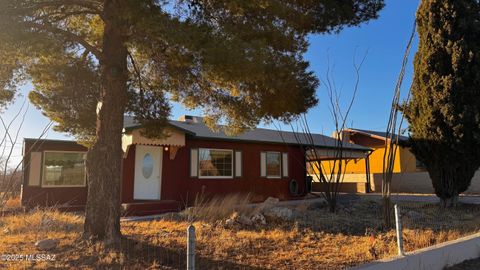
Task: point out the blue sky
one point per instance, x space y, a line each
385 39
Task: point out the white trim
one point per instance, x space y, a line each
238 164
193 163
285 164
61 186
35 169
263 164
215 177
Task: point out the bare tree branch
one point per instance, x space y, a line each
8 186
391 142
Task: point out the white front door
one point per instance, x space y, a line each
148 172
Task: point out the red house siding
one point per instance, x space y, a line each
37 195
179 186
128 175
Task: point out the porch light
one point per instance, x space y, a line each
166 148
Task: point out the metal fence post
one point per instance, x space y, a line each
398 224
191 248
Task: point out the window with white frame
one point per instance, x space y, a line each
63 169
215 163
274 164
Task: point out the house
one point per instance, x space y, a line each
409 174
365 175
167 174
405 161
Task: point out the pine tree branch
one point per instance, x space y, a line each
137 71
93 6
68 35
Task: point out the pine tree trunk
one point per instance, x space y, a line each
104 160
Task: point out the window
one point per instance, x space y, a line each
274 161
63 169
215 163
147 166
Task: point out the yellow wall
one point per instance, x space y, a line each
404 162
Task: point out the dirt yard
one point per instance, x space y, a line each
311 238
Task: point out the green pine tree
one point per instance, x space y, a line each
239 60
444 112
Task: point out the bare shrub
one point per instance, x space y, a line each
218 207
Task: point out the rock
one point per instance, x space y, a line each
229 222
238 219
243 220
259 219
6 231
46 244
279 213
269 203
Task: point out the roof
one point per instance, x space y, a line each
378 134
200 130
49 140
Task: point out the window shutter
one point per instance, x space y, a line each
238 164
263 164
285 164
193 162
35 168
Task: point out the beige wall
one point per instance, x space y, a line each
174 138
347 178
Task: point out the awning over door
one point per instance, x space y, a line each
173 141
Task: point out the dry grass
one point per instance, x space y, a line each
316 239
217 208
13 203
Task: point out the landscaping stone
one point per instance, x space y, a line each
259 219
243 220
283 213
238 219
229 223
269 203
46 244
